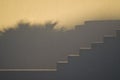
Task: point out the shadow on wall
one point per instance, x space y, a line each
41 46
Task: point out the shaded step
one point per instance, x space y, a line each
97 45
73 58
84 51
28 70
118 34
78 60
61 65
27 75
109 39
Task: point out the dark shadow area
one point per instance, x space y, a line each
41 46
101 62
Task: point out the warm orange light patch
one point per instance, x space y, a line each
66 12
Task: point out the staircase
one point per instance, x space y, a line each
100 62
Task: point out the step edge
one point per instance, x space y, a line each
28 70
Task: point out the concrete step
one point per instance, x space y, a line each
97 45
61 65
118 34
109 38
85 50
